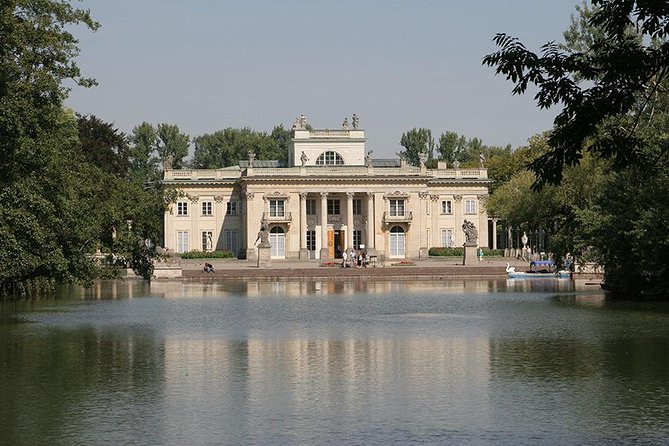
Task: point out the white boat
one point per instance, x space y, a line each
540 269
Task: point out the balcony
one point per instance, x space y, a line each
403 218
285 218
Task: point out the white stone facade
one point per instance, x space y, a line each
334 197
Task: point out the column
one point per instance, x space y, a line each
371 230
304 254
324 225
458 217
423 216
494 233
251 225
349 221
435 210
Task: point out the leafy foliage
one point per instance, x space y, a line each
621 70
608 150
227 147
415 142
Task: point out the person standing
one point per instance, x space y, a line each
343 259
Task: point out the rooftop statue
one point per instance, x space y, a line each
300 123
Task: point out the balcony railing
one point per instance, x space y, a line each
403 218
285 218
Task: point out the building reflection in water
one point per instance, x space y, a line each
296 288
288 380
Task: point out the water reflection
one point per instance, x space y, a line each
295 288
320 362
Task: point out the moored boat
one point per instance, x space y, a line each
539 269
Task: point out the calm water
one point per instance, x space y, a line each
306 363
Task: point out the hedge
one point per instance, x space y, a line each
459 252
208 255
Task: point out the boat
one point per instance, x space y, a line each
539 269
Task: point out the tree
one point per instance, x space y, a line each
451 146
103 145
415 142
611 79
46 232
621 70
172 143
143 159
227 147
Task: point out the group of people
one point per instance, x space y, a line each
208 268
351 258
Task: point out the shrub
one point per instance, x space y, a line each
208 255
447 252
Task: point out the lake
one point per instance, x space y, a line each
333 363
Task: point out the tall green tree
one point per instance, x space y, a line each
46 232
451 146
415 142
103 145
144 162
171 143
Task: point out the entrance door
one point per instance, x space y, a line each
277 238
339 239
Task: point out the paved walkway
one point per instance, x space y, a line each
429 268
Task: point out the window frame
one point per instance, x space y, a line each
397 207
446 207
470 206
182 208
277 208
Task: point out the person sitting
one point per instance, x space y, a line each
208 268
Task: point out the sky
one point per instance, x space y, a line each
206 65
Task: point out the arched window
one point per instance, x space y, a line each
397 241
277 239
329 158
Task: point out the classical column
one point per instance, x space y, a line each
371 230
349 221
252 223
304 254
435 233
423 226
494 233
459 219
324 225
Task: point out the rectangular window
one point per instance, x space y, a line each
447 207
231 241
397 208
333 207
207 241
207 208
182 208
182 241
357 206
357 238
470 206
311 207
447 238
231 208
311 240
277 208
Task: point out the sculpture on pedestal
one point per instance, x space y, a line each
263 235
471 233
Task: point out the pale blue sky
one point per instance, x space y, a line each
210 64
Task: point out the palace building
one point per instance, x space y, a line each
331 196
